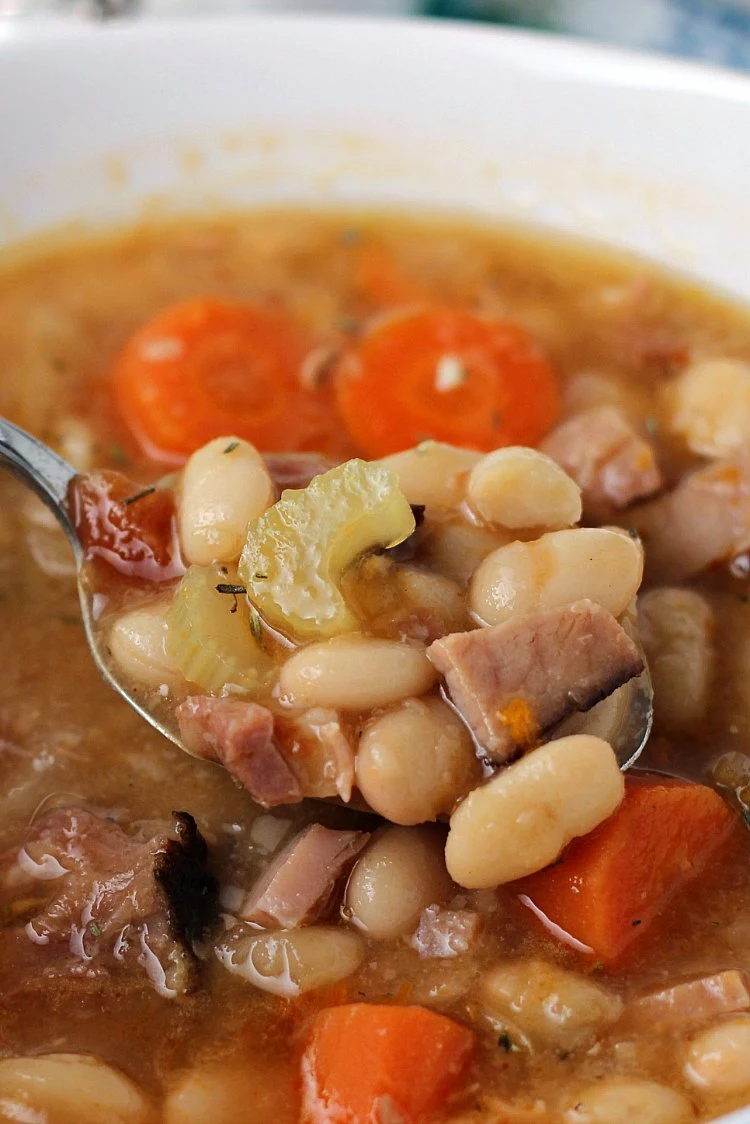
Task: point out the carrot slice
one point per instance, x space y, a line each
382 280
449 375
205 367
611 884
364 1060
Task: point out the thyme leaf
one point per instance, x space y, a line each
231 447
255 626
139 495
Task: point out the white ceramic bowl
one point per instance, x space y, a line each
98 123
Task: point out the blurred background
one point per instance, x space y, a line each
716 31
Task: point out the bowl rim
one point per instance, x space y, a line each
529 50
662 71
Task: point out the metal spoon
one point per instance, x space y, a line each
624 719
50 476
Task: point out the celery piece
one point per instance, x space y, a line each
213 636
297 550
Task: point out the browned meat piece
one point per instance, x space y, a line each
611 463
705 520
688 1004
319 751
239 734
300 885
445 933
515 680
93 888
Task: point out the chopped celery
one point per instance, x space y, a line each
210 634
297 550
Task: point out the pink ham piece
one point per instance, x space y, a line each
705 520
609 461
512 682
300 885
688 1004
319 751
445 933
239 735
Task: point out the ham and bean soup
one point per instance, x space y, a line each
386 518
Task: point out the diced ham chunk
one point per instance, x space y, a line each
688 1004
97 889
240 735
445 933
319 752
609 461
705 520
515 680
278 760
300 885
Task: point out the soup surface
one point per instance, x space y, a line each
607 986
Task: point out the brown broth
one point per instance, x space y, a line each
65 737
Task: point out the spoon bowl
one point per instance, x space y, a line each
50 476
624 719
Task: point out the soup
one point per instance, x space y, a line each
399 876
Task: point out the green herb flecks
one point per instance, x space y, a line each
255 626
231 447
117 454
233 590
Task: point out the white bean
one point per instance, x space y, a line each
625 1100
293 962
225 485
520 820
433 473
250 1093
718 1059
69 1089
519 488
416 761
399 875
356 673
138 643
676 628
76 442
455 549
551 1008
709 406
599 563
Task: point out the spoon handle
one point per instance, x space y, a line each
39 467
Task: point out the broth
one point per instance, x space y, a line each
616 330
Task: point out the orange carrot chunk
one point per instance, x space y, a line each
205 367
383 281
611 884
449 375
365 1060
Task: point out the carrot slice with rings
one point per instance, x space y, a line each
206 367
446 374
